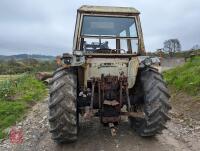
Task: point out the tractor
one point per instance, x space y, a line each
107 76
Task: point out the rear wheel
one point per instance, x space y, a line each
63 118
151 96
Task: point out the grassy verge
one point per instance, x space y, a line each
9 77
185 78
16 96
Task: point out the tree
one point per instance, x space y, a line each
196 47
172 46
12 62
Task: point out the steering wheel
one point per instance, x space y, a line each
118 51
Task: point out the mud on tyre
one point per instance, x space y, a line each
63 118
151 96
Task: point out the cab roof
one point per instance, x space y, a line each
108 9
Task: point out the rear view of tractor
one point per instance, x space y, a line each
105 73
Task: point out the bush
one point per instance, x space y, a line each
26 65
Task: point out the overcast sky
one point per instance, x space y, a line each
47 26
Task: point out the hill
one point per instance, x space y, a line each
27 56
19 65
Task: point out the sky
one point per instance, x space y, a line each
47 26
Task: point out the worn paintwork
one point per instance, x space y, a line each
133 66
108 9
95 67
107 66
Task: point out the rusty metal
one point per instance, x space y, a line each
133 114
92 95
95 67
111 103
110 107
115 119
102 86
43 75
113 129
120 92
99 92
88 113
110 85
128 99
123 86
124 81
59 61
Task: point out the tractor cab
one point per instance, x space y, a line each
108 30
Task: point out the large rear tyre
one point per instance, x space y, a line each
63 117
150 96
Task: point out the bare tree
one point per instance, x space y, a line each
171 46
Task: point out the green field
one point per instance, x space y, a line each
185 78
9 77
17 94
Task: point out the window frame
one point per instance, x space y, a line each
81 37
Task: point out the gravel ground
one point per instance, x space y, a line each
183 134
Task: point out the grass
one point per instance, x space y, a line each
9 77
16 96
186 77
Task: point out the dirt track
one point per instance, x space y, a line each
183 133
179 136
